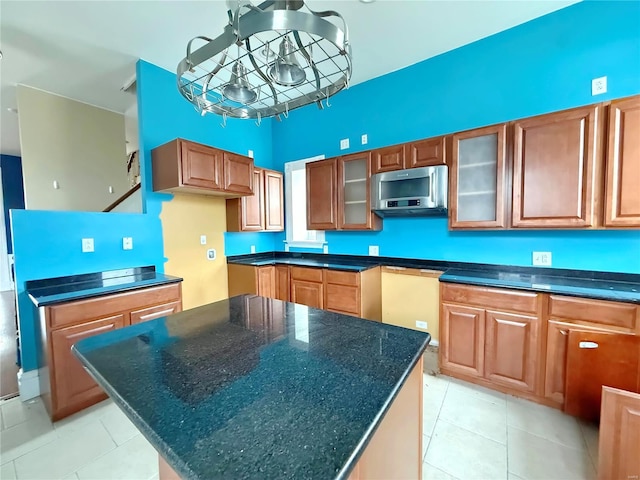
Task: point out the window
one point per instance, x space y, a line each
295 190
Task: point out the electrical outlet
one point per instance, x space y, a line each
87 245
421 324
203 239
211 254
344 144
127 243
253 249
599 86
250 154
286 247
374 250
325 249
542 259
364 139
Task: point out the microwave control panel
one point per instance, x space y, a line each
404 203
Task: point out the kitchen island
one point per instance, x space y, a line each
252 387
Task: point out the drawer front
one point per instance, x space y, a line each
595 311
151 313
98 307
342 298
308 274
343 278
496 298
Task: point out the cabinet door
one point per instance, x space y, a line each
477 197
511 350
71 385
622 200
151 313
307 293
283 287
354 197
619 435
426 153
388 159
266 278
462 336
252 214
238 173
322 196
201 166
273 201
554 169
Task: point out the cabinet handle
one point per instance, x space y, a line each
588 345
564 332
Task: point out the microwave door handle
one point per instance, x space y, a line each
432 187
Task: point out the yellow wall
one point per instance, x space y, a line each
407 298
184 219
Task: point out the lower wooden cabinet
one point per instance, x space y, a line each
283 283
307 293
462 332
68 388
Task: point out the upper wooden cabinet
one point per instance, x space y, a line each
556 163
184 166
478 178
322 194
264 210
622 196
354 193
388 158
426 153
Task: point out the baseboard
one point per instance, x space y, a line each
434 343
28 384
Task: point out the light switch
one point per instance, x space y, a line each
542 259
127 243
344 144
203 239
374 250
253 249
87 245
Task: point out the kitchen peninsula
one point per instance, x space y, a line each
252 387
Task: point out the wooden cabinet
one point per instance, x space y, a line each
68 388
307 286
354 193
511 349
283 285
388 158
322 194
619 439
462 333
478 179
184 166
622 195
556 166
354 293
73 386
262 211
266 278
426 153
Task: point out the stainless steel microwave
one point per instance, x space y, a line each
412 192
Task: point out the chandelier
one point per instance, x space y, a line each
269 59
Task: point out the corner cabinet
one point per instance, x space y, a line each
556 167
478 174
622 195
189 167
262 211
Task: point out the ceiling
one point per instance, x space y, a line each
87 50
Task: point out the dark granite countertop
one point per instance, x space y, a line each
252 387
65 289
622 287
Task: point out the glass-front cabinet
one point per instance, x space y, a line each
354 202
478 179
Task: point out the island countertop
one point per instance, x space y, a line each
252 387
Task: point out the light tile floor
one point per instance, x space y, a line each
469 433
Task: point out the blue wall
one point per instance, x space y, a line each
47 244
541 66
165 115
12 190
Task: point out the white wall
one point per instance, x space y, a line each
80 146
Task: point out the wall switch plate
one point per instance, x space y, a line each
87 245
253 249
541 259
127 243
325 249
211 254
374 250
599 86
203 239
364 139
286 247
423 325
250 153
344 144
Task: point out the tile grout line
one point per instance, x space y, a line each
550 440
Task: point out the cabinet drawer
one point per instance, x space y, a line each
151 313
98 307
342 278
342 298
308 274
595 311
491 297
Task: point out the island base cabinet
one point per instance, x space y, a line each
74 387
